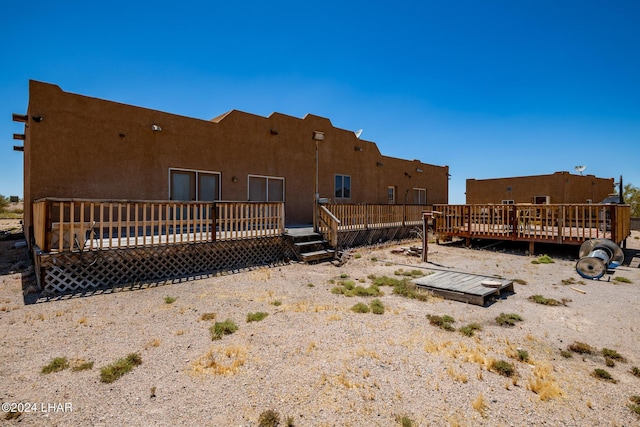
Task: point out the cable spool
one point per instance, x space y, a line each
597 256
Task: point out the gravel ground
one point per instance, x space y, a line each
315 361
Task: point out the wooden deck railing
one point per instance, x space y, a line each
365 216
566 223
72 224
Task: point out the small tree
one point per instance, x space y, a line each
631 197
4 202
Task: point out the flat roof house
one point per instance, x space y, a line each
556 188
94 167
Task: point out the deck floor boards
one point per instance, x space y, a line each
463 287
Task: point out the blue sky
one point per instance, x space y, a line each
489 88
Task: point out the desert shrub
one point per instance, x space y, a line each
508 319
377 307
256 317
349 289
621 279
169 300
112 372
635 371
269 418
635 405
404 421
344 275
602 374
56 365
277 303
82 366
519 281
539 299
523 355
222 328
612 354
566 354
411 273
581 348
470 329
208 316
503 368
360 308
443 322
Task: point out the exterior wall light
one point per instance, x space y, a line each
234 179
358 148
37 119
156 128
418 170
318 136
379 164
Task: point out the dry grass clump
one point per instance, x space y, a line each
169 300
635 371
208 316
480 405
543 384
112 372
581 348
621 279
223 361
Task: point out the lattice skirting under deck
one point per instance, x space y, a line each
354 238
73 271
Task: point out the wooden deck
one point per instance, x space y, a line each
561 224
464 287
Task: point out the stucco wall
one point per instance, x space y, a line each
561 187
91 148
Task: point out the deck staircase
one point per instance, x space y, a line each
309 246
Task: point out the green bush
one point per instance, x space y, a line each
256 317
503 368
360 308
508 319
222 328
377 307
112 372
56 365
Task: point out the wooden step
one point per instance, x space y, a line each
310 243
318 255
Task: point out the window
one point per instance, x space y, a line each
419 196
343 187
507 202
541 200
266 188
391 194
188 185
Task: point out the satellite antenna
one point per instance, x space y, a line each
358 133
580 169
